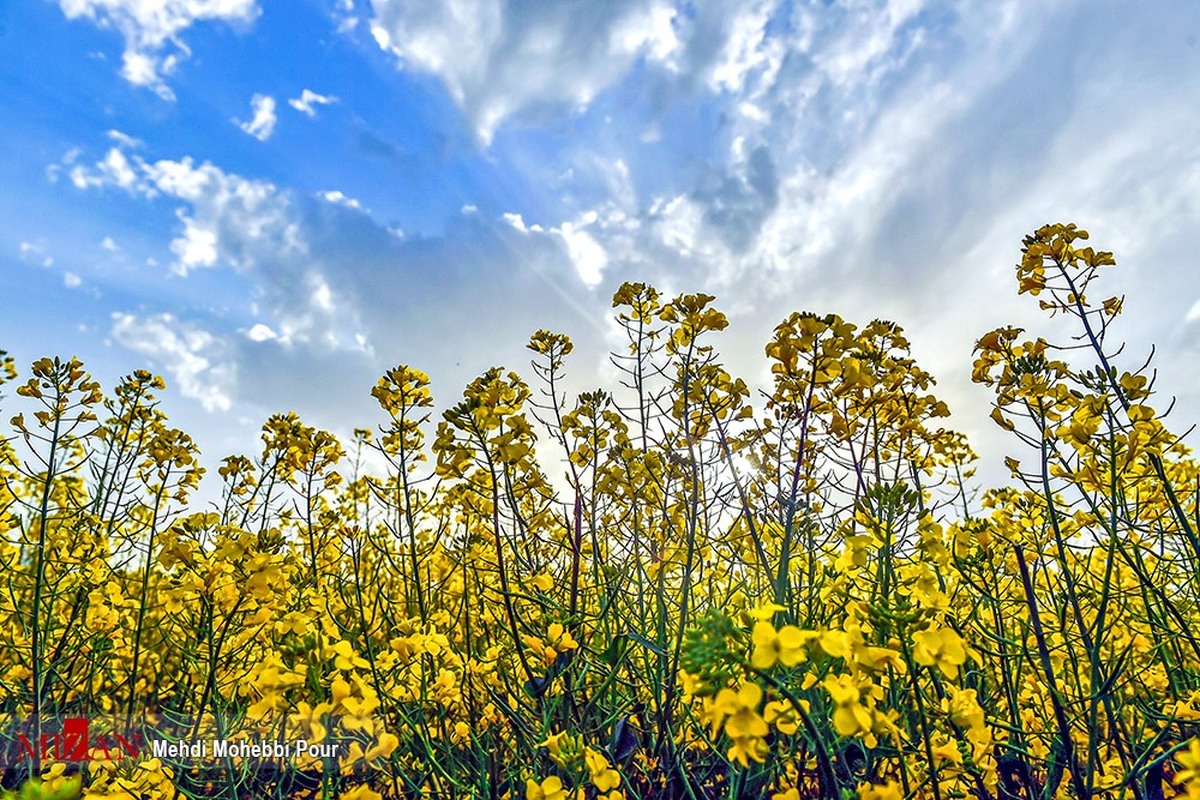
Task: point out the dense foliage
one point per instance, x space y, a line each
709 599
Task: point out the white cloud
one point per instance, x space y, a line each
197 361
109 244
322 295
586 254
71 280
747 48
124 139
499 57
227 218
852 54
308 100
197 247
35 253
114 170
344 16
261 333
518 222
825 127
153 29
252 226
328 290
262 124
340 198
1193 313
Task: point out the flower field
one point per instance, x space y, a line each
675 590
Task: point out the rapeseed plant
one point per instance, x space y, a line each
805 599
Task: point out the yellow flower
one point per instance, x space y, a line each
739 710
1190 761
765 612
738 713
360 792
604 777
835 644
345 658
746 749
550 789
782 714
850 717
564 748
292 621
964 708
877 658
941 648
561 638
383 747
1134 386
785 646
947 750
889 791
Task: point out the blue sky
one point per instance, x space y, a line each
272 203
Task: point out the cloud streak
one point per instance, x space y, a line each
262 124
308 100
194 358
153 31
331 285
500 58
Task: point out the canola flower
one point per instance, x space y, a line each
803 597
